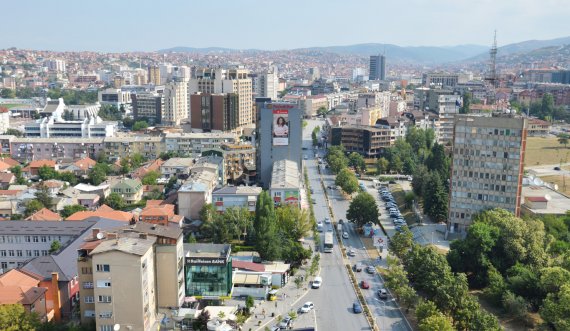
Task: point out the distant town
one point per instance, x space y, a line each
307 189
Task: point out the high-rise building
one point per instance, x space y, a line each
268 85
377 67
175 103
154 75
279 134
56 65
149 106
314 73
214 112
236 81
487 167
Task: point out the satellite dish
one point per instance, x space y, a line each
556 187
101 236
547 197
538 182
116 327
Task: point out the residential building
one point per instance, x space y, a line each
129 189
33 168
57 149
192 144
286 183
214 112
374 100
4 119
154 75
115 97
447 108
368 141
103 212
538 128
236 81
439 79
7 208
236 197
487 167
21 288
176 166
208 271
44 214
238 162
149 106
120 147
268 84
377 67
279 136
158 212
197 191
541 200
57 65
398 126
176 108
312 103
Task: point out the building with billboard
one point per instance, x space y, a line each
285 183
208 271
279 133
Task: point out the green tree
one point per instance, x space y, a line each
402 242
264 226
13 317
201 322
322 111
515 305
125 166
43 196
337 163
249 302
98 173
396 165
115 201
68 177
382 165
464 109
425 309
435 198
439 161
47 173
150 178
128 122
54 247
563 139
555 310
110 113
437 322
7 93
553 278
357 161
363 209
137 160
207 212
140 125
71 209
347 181
293 222
32 206
14 132
419 177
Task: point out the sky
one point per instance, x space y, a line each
146 25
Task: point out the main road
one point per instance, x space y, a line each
333 301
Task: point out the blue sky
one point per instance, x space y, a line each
131 25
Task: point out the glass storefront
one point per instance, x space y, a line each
209 280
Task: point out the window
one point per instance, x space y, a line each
4 266
103 283
36 239
103 268
106 314
86 270
3 253
11 252
87 284
44 239
104 298
28 239
89 299
45 252
28 253
105 327
90 313
19 253
36 252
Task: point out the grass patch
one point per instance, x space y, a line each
559 180
399 195
506 321
541 151
11 105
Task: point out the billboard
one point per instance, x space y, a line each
292 197
280 127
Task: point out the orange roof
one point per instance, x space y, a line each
85 164
162 210
44 214
105 212
143 170
25 295
4 166
104 207
10 161
150 203
6 177
17 277
41 163
53 183
9 192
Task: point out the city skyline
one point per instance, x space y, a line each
177 23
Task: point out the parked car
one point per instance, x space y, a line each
357 308
317 282
305 157
370 269
345 235
357 267
383 294
364 285
340 221
327 220
286 323
307 307
392 182
351 252
557 168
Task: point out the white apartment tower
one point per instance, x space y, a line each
176 107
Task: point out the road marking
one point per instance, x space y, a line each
315 318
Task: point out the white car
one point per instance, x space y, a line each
317 282
327 220
345 235
307 307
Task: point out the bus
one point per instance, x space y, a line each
328 246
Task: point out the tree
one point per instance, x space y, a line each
128 122
207 212
292 221
71 209
7 93
435 198
55 246
439 161
402 242
249 302
14 132
556 309
347 181
425 309
437 322
563 139
140 125
553 278
98 173
363 209
396 164
43 196
32 206
110 113
419 177
115 201
137 160
357 161
464 109
150 177
266 242
47 173
201 323
337 163
68 177
125 166
322 110
382 165
13 317
515 305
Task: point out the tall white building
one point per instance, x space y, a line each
176 107
56 65
4 119
236 81
267 85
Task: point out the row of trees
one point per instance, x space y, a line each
544 109
73 97
110 113
315 135
522 265
47 173
446 303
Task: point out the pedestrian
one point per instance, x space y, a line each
275 304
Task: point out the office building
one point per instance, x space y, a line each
439 79
115 97
314 73
149 106
279 134
214 81
175 103
236 197
369 141
214 112
377 67
154 75
208 271
266 84
487 167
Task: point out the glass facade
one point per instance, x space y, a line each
209 280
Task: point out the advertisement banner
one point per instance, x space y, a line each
280 127
292 197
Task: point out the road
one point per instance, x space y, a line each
334 300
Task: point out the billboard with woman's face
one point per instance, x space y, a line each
280 127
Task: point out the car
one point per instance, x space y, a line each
364 285
383 294
286 323
327 220
312 191
340 221
314 201
557 168
345 235
275 328
370 269
317 282
304 148
357 308
396 215
357 267
305 157
396 222
329 229
392 182
307 307
351 252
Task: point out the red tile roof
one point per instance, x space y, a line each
248 265
4 166
537 199
41 163
10 161
85 163
44 214
103 211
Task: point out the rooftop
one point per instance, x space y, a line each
558 204
285 174
129 245
44 214
239 190
207 250
43 228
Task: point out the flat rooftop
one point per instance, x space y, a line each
558 204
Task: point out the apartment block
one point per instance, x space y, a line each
149 106
214 112
487 167
176 107
368 141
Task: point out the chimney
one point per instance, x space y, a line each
95 232
112 235
142 235
56 297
